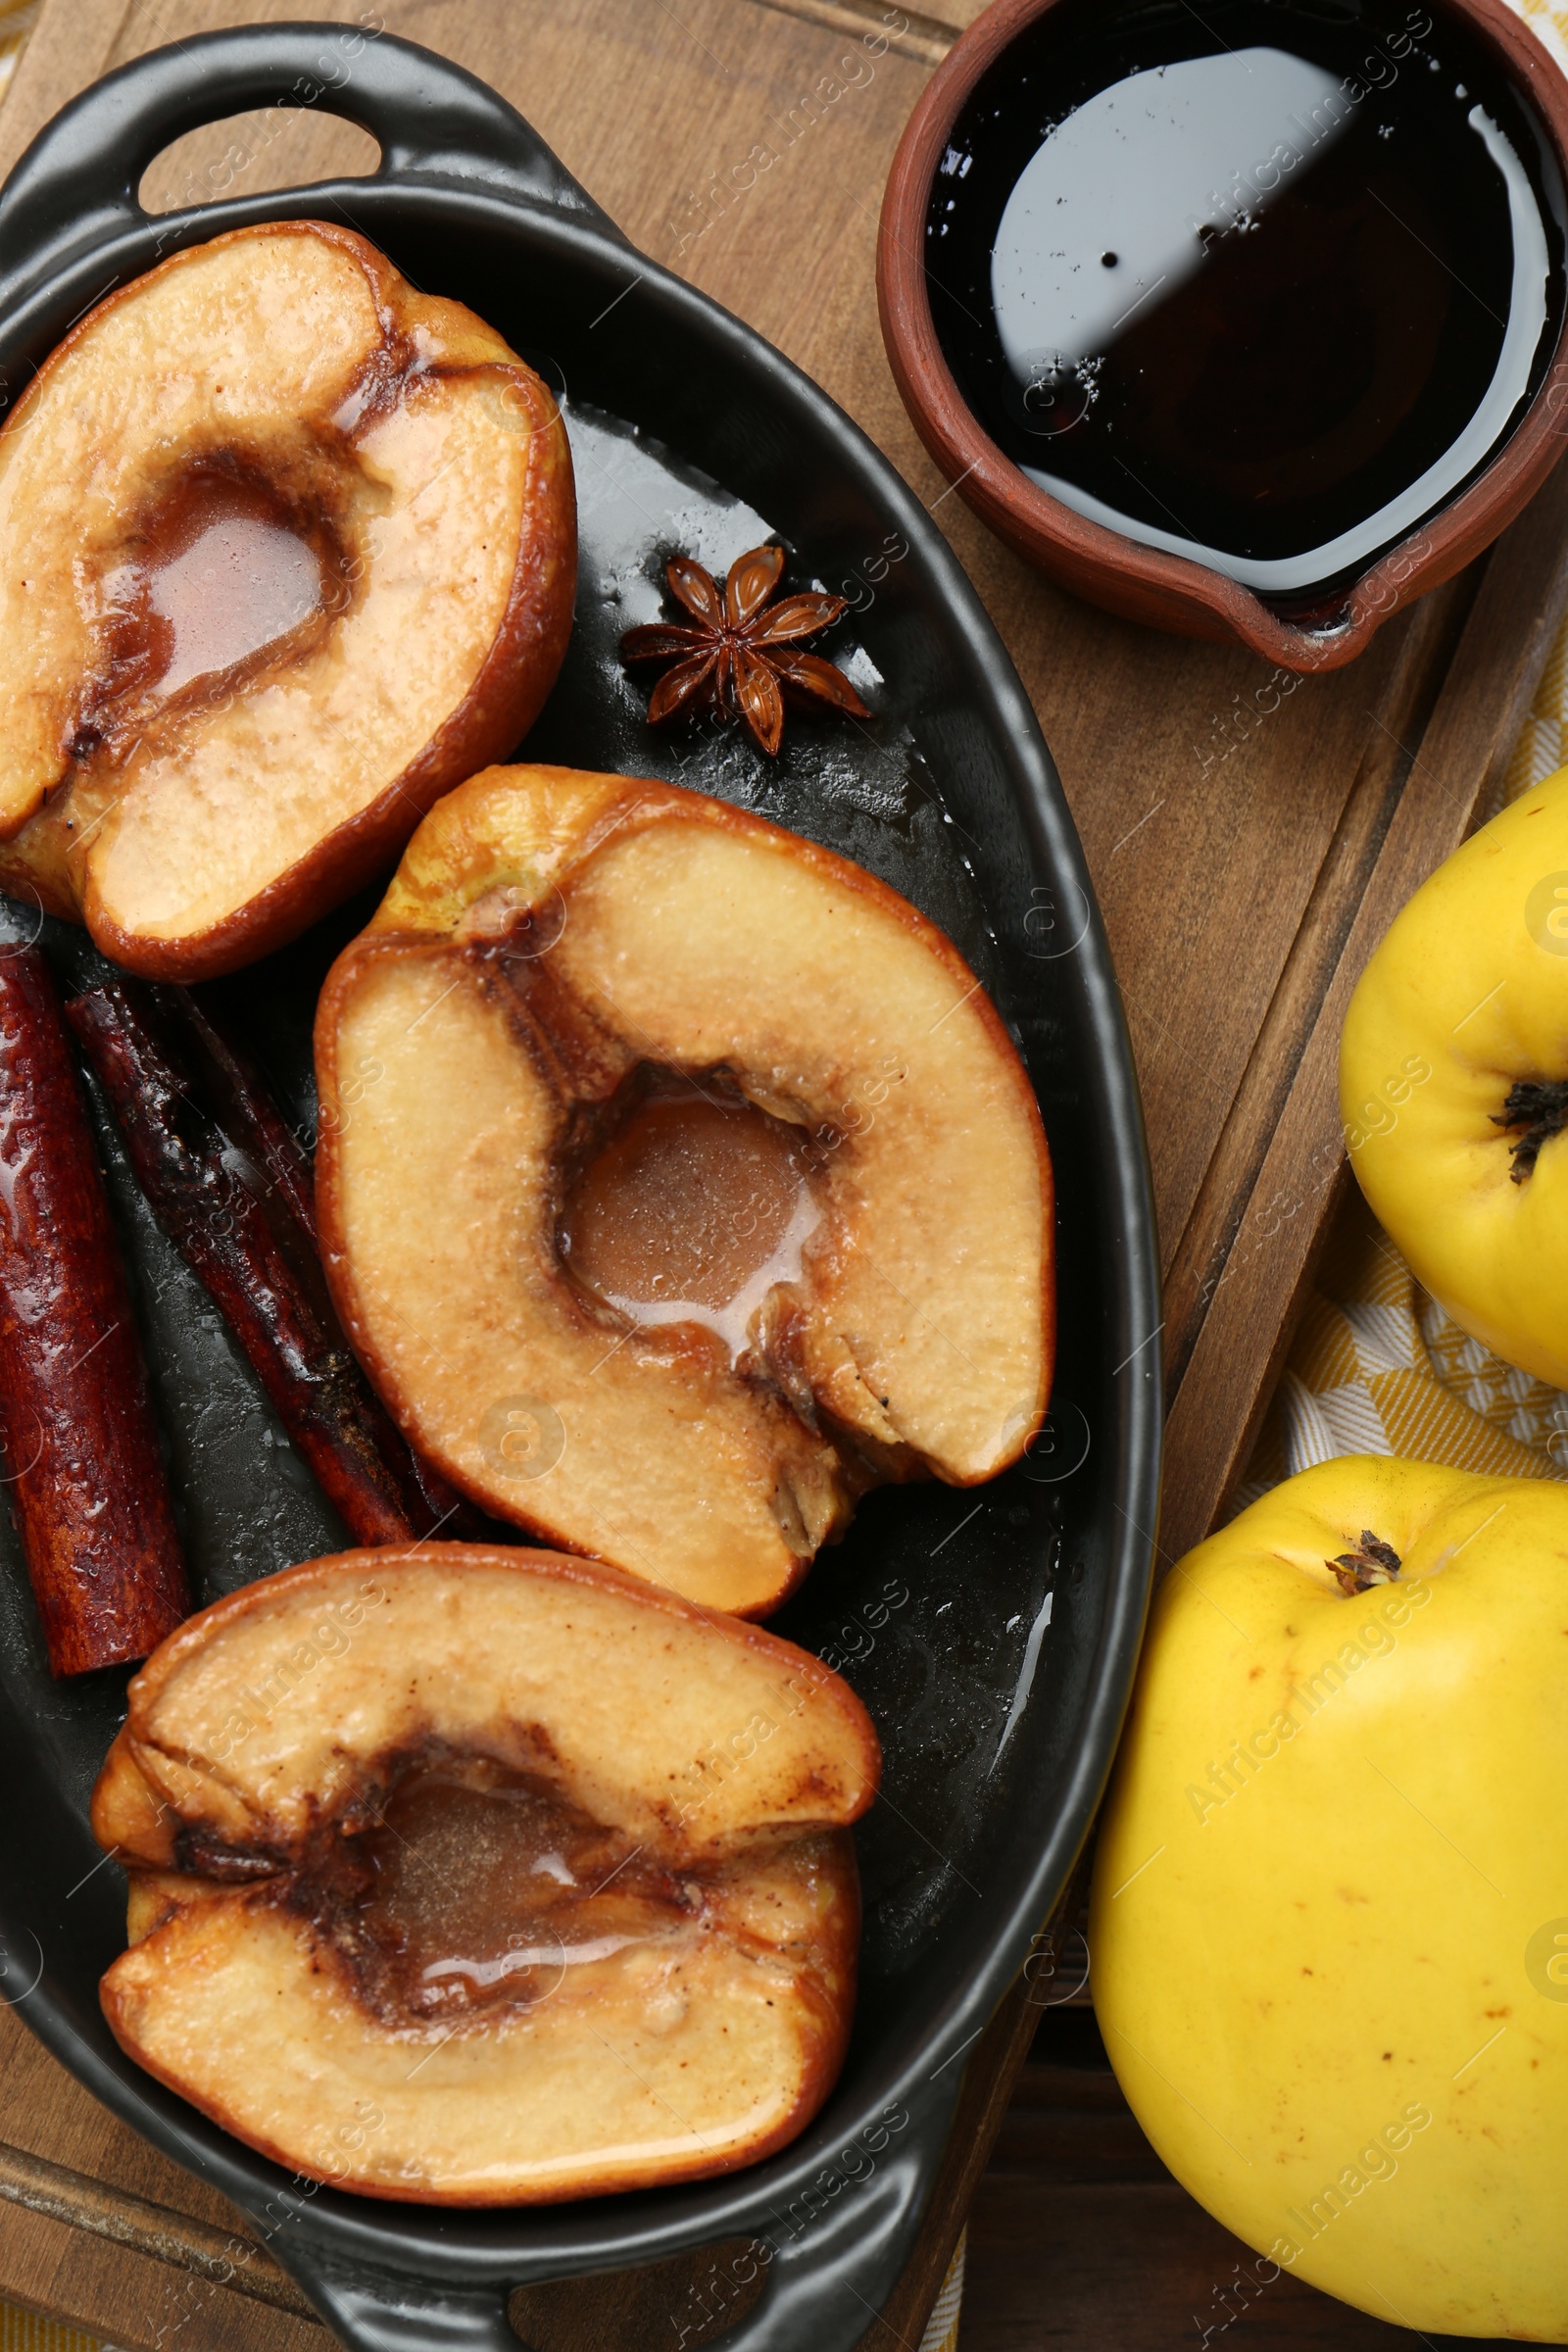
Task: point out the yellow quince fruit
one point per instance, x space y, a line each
1329 1929
1453 1083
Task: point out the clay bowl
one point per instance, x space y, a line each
1170 591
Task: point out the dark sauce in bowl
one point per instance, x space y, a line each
1265 284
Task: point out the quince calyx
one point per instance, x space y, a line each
1374 1562
1539 1106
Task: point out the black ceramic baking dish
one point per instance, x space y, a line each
992 1634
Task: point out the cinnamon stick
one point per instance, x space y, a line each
229 1196
83 1463
241 1101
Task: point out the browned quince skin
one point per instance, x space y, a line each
481 1877
286 549
573 984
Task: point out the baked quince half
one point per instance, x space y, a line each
677 1180
286 549
485 1876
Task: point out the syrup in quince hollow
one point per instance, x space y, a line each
691 1211
478 1887
234 573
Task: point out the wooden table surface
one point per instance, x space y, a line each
1249 835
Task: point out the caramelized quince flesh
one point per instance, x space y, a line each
286 549
481 1877
746 1203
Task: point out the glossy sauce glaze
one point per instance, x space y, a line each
1265 283
222 576
691 1212
480 1888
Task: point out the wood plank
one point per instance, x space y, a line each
911 34
1379 780
1452 770
41 2187
134 2300
96 2227
52 69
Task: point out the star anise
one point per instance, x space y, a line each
742 655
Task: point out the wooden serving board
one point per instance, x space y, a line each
1250 836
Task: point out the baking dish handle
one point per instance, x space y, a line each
75 186
372 2310
829 2261
832 2270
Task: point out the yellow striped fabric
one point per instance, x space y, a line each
1548 22
23 2332
1376 1367
942 2328
16 23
